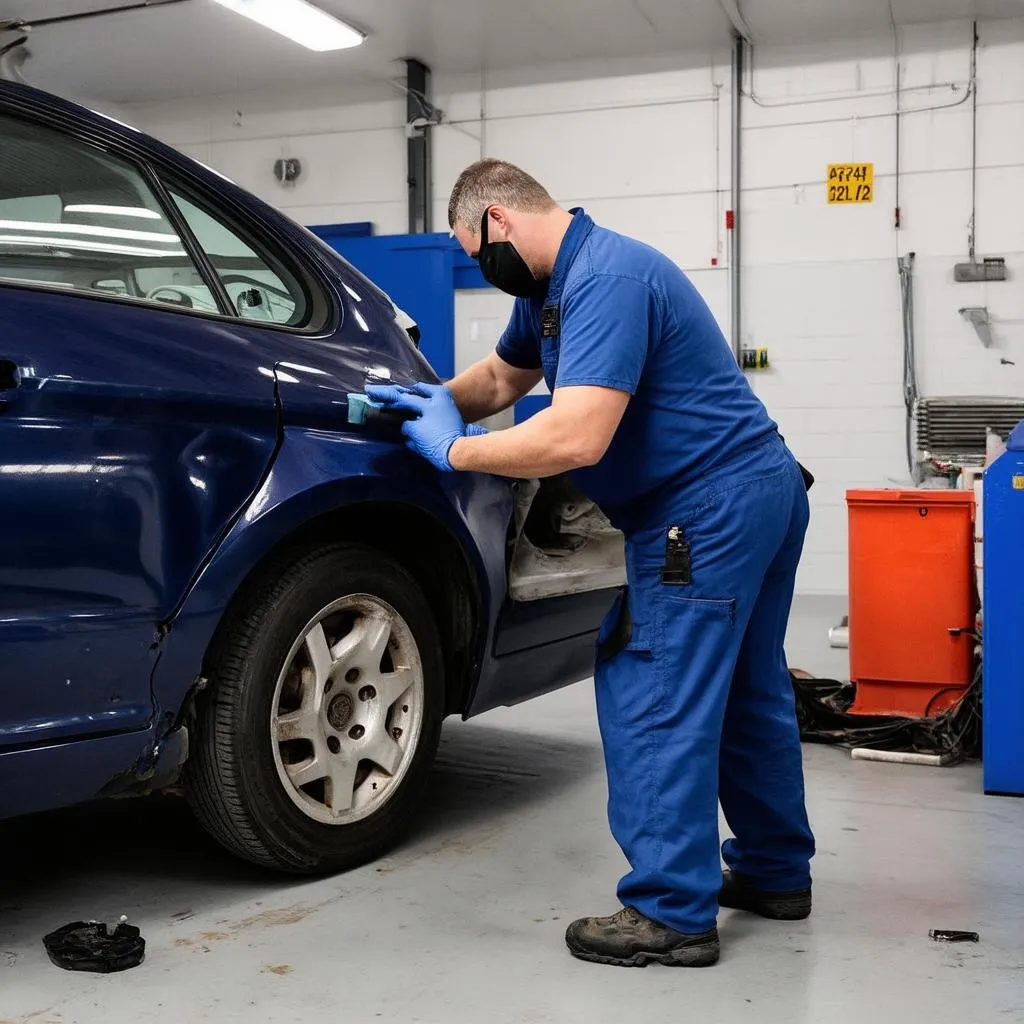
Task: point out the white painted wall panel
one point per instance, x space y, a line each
644 145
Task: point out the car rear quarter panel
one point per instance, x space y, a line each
318 473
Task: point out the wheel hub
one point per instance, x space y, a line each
339 711
342 748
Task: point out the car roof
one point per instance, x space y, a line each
15 91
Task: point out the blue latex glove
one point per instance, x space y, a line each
437 425
386 394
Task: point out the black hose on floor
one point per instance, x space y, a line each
822 707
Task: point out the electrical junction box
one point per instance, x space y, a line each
754 358
992 268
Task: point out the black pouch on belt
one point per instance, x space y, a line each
621 633
678 568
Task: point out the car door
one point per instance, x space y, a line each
137 417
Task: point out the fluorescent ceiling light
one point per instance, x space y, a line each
161 237
113 211
84 245
299 21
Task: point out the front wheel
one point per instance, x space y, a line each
322 719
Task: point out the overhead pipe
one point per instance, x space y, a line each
11 63
972 228
732 11
735 250
60 19
897 60
13 54
421 114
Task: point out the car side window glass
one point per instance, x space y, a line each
75 218
258 286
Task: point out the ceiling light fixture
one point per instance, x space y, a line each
299 21
86 245
39 227
113 211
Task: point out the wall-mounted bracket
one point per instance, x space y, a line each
978 317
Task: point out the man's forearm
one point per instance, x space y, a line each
477 393
545 445
490 386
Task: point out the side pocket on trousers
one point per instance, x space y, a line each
715 608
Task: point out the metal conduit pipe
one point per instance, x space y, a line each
13 53
11 63
735 251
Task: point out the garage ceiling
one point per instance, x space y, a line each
784 21
199 48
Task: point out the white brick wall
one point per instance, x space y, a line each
645 148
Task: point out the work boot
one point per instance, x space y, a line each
628 939
738 894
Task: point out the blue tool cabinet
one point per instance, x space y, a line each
1003 607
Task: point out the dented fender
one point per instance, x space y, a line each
317 472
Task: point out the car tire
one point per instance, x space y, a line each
261 729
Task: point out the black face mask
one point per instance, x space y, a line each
502 266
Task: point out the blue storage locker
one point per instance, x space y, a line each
1003 630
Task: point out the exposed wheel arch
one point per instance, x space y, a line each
427 549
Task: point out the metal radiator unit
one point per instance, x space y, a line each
953 430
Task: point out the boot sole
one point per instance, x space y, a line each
692 956
782 910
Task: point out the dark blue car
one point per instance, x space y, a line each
209 576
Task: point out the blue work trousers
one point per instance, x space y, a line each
697 706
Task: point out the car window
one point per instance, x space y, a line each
75 218
258 286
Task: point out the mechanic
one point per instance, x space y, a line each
657 424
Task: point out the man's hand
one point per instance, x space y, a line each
437 424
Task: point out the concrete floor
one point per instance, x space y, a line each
463 924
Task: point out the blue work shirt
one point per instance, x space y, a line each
621 315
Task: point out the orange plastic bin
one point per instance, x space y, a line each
911 583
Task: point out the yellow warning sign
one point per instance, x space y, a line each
850 183
1018 483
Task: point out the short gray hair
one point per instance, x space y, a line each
494 183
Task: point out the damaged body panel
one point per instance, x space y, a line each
299 504
115 484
